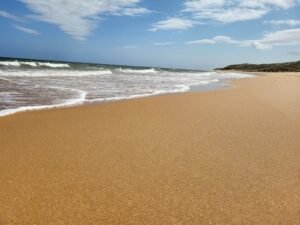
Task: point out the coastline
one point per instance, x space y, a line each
228 156
82 100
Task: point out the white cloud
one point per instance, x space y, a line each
26 30
225 39
285 4
133 12
291 23
201 41
163 43
221 11
197 5
228 11
232 15
289 37
215 40
281 38
172 24
79 17
9 16
256 44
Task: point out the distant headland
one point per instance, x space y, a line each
273 67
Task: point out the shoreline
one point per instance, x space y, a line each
229 156
229 83
82 102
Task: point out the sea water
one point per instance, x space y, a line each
30 84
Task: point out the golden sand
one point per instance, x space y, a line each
222 157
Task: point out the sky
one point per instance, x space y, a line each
194 34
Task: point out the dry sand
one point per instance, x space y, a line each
221 157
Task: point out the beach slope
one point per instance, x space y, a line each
222 157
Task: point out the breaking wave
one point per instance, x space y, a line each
32 85
53 73
34 64
139 71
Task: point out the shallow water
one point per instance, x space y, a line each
29 85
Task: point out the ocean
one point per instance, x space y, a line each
32 84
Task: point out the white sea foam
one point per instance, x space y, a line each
9 97
223 75
2 78
208 81
139 71
33 64
85 85
54 65
178 89
226 75
9 63
53 73
70 102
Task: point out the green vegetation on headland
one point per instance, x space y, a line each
274 67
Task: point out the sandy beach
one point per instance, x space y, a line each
230 156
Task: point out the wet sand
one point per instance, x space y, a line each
230 156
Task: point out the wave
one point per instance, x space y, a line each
2 78
53 73
70 102
10 63
143 71
34 64
178 89
82 98
162 83
54 65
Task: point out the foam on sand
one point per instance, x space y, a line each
190 159
87 83
75 101
234 75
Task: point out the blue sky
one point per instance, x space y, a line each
198 34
